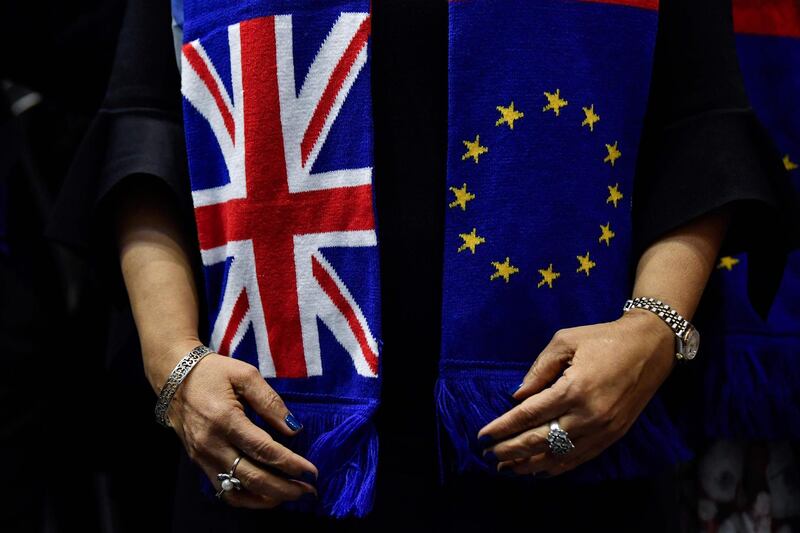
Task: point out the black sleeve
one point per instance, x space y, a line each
703 148
136 139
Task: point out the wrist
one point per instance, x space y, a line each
650 325
161 357
649 321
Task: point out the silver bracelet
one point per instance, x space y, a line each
175 378
687 338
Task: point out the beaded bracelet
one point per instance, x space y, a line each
175 378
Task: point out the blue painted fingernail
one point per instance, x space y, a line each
490 456
308 477
485 441
293 423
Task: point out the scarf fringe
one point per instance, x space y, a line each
467 400
342 442
752 388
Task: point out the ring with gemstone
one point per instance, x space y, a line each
558 440
228 481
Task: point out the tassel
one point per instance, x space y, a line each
467 398
342 442
752 388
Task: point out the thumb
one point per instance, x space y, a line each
266 402
547 367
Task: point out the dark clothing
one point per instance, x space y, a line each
702 148
55 58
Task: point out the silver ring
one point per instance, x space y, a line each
558 440
228 481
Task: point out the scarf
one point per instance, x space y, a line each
751 383
546 106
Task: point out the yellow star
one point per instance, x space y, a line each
508 115
548 276
591 117
462 197
474 149
613 153
586 263
504 270
554 102
613 194
607 233
727 262
471 240
788 163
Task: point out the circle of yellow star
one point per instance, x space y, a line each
554 102
727 262
788 164
474 149
508 115
462 197
591 117
503 270
586 263
548 276
471 240
607 234
613 153
614 195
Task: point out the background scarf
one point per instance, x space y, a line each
752 386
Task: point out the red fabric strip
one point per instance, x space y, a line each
643 4
338 76
332 290
239 310
199 66
780 18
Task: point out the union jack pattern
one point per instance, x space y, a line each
270 220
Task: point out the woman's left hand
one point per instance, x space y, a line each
602 376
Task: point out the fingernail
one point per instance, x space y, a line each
485 441
293 423
490 456
309 478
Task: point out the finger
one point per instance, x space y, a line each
248 500
253 477
259 481
265 401
259 445
546 463
242 498
541 464
539 409
534 441
548 366
591 447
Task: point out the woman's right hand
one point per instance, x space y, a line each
208 416
206 411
